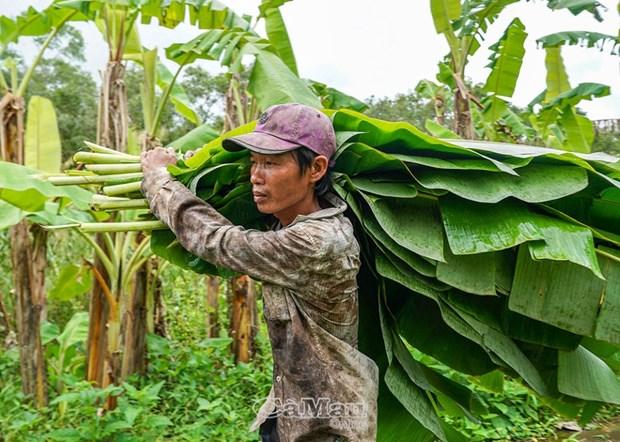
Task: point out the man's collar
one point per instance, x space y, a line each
338 206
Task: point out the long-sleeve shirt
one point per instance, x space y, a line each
323 389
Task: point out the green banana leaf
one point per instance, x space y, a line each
581 38
42 148
195 139
9 215
272 82
506 60
24 188
572 97
568 296
557 79
178 96
581 374
444 12
277 33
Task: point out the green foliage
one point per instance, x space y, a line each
506 60
205 91
42 148
581 38
334 99
607 141
577 7
192 389
277 33
270 82
412 107
61 78
73 281
512 414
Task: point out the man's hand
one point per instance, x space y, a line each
154 164
157 158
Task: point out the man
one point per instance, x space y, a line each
324 389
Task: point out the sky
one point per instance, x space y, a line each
366 47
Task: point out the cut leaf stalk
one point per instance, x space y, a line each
104 158
122 189
112 169
121 205
95 179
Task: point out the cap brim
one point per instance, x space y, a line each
259 142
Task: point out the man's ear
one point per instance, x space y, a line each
318 168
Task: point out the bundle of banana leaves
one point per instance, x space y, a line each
491 259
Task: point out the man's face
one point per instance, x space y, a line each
278 186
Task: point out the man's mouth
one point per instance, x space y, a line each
259 197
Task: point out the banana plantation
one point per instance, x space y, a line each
489 234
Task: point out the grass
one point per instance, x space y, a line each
192 390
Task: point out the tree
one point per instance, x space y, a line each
464 25
72 90
206 93
410 106
28 252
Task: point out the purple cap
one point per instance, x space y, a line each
285 127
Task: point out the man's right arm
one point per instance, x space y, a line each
280 257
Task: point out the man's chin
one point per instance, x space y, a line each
264 209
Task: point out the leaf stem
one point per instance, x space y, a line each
122 189
104 158
111 169
21 90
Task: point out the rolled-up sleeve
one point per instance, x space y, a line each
282 257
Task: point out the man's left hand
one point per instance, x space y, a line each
157 158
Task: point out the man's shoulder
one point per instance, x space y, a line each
331 235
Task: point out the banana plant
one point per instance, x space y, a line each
28 250
61 349
558 122
116 341
464 25
552 118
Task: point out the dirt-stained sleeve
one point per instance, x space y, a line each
280 257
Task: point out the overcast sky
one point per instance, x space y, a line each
366 47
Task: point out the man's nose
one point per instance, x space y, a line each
256 176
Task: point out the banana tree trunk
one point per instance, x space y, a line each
134 327
113 118
28 259
98 312
242 329
155 307
462 116
212 302
104 340
12 111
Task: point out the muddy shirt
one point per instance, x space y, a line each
323 389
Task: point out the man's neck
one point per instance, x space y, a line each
306 206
